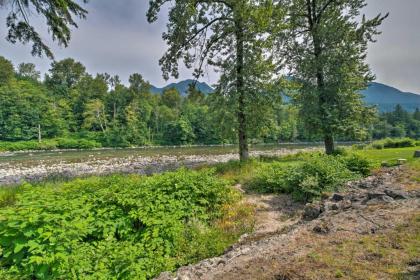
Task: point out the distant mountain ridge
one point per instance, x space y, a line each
383 96
183 86
387 97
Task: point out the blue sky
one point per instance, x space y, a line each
117 39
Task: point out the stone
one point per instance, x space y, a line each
346 204
337 197
334 206
417 154
397 194
380 200
376 195
322 228
312 211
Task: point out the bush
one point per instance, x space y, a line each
49 144
340 151
66 143
378 146
321 174
358 164
113 227
399 143
308 180
393 143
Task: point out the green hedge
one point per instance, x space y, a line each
115 227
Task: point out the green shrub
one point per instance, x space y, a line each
321 174
66 143
388 143
358 164
399 143
309 179
271 178
340 151
113 227
378 146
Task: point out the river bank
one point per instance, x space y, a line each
19 168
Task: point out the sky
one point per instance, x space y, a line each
116 38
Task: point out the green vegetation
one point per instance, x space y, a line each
394 143
310 178
137 226
49 144
118 226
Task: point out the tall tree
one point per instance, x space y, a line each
28 71
327 54
210 32
6 71
59 17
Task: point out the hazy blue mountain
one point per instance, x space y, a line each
381 95
182 87
386 97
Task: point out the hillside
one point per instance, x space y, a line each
182 87
381 95
386 97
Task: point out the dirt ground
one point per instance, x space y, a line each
371 231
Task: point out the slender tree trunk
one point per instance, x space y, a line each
240 87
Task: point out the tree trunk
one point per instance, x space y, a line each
240 87
39 134
322 98
329 144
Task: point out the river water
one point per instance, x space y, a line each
37 165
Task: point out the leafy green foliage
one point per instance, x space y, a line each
394 143
327 47
113 227
307 180
49 144
59 17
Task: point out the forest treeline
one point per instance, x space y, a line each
71 103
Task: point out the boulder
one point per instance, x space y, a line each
397 194
337 197
312 211
322 228
376 195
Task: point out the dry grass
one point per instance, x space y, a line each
381 256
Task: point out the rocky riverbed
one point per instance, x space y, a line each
290 248
16 172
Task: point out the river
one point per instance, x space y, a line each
16 167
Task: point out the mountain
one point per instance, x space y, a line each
183 86
381 95
386 97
